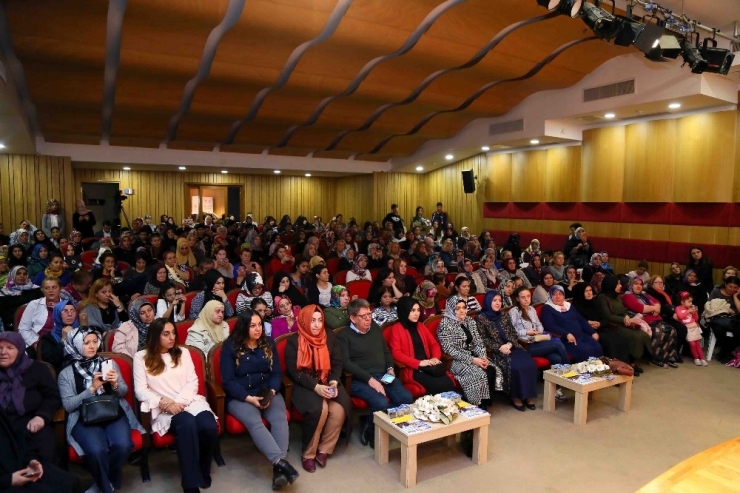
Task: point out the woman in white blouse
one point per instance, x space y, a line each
166 384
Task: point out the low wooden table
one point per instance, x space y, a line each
583 392
384 429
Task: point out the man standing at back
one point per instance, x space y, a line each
367 357
393 218
440 216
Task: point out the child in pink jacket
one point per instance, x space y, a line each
687 314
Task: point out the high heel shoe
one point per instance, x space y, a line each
519 407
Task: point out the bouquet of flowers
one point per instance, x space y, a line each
436 409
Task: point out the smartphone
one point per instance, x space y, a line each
106 367
31 474
387 378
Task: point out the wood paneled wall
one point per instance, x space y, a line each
354 198
404 189
28 182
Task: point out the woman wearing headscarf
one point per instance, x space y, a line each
510 270
51 345
282 286
22 238
507 291
105 446
183 254
18 290
542 292
286 320
674 279
253 287
52 218
578 336
83 220
458 335
75 240
584 301
663 336
412 345
426 294
618 319
156 279
405 283
465 269
55 268
213 290
532 250
209 329
517 369
594 266
336 315
359 269
697 290
39 260
130 337
487 274
605 266
17 256
313 361
29 396
596 281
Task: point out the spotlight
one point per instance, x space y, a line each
126 168
657 45
485 148
674 106
308 175
692 56
534 141
609 116
718 60
602 23
182 168
420 168
571 8
277 171
449 157
224 172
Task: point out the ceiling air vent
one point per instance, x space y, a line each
506 127
609 91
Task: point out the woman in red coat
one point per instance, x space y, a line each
413 345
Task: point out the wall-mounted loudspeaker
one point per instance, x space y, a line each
468 181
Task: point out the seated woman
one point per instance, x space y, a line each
170 304
220 255
674 279
140 267
281 260
166 384
663 336
605 266
336 315
157 279
465 269
405 283
108 268
253 287
209 329
130 336
245 266
386 278
570 279
386 310
593 267
319 291
487 274
259 307
283 287
420 257
579 337
510 270
313 361
184 257
175 273
435 265
542 293
359 269
412 345
618 320
534 270
213 289
458 335
287 319
252 377
507 293
527 324
462 290
16 291
584 301
532 250
39 260
300 277
426 295
517 369
103 308
557 266
51 345
37 319
641 272
106 445
655 288
29 396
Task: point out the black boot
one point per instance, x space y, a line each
365 432
290 472
278 478
466 440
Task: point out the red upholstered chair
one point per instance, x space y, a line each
232 323
87 244
413 387
480 297
359 288
374 273
441 304
123 266
341 278
450 277
538 309
205 388
189 297
432 324
126 365
232 295
280 344
151 298
333 265
182 330
411 271
88 257
233 426
18 315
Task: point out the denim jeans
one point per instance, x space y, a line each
396 394
553 350
106 447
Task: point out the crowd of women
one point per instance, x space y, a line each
491 329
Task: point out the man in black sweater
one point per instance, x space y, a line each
367 357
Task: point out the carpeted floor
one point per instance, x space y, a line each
675 414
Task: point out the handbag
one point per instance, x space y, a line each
100 408
618 367
438 370
540 338
266 395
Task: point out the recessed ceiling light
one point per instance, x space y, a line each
449 157
126 168
224 171
420 168
308 175
2 146
674 106
182 168
277 171
485 148
534 141
609 115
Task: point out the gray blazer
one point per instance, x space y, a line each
71 401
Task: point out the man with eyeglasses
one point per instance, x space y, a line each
367 357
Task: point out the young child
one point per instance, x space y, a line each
687 314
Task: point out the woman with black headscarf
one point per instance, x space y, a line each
415 347
214 284
584 301
517 368
282 286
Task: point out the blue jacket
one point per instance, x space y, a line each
253 373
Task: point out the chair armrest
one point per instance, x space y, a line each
59 422
288 391
216 399
524 343
347 380
146 421
398 364
447 360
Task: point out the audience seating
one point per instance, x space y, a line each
189 301
411 271
88 242
18 315
232 295
341 277
280 344
123 266
359 288
151 298
450 277
88 257
481 298
333 265
182 330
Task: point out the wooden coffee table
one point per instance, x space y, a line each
384 429
583 392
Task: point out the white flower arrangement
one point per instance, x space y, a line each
436 409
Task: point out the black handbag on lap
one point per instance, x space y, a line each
98 409
434 370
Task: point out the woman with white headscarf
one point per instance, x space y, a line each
209 329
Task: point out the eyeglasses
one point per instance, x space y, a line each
658 282
364 315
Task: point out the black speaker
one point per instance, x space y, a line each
468 181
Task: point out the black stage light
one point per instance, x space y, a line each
656 44
570 8
718 60
602 23
692 56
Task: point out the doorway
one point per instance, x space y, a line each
220 200
99 198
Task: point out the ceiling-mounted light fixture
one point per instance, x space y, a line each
602 23
534 141
719 60
223 171
692 56
570 8
420 168
2 146
449 157
277 171
182 168
485 148
308 175
674 106
126 168
609 115
660 47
